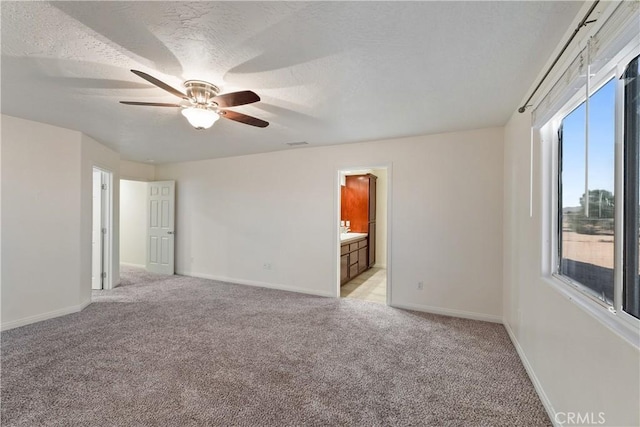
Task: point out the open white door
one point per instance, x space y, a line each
101 230
160 232
96 232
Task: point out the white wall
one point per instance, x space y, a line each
235 214
133 219
135 171
0 221
40 217
1 245
579 364
133 223
47 175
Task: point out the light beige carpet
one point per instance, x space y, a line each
180 351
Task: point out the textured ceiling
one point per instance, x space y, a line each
327 72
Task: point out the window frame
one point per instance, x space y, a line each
612 315
601 80
630 178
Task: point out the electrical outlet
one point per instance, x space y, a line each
266 266
420 285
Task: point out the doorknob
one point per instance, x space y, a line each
170 232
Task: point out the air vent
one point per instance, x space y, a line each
297 144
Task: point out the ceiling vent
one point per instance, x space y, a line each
297 144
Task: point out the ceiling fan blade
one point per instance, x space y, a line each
160 84
243 118
234 99
150 104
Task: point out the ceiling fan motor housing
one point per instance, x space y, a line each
201 92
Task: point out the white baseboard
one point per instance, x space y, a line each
449 312
128 264
256 283
44 316
532 375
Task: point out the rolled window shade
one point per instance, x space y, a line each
570 82
621 27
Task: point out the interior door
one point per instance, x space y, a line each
96 232
160 232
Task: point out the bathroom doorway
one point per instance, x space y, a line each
362 234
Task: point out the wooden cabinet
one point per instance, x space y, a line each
344 267
363 260
358 205
358 199
372 245
371 226
354 259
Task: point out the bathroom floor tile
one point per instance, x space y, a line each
369 286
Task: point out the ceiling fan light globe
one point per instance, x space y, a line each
200 118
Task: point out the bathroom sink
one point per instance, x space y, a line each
348 237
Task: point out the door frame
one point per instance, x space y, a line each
107 220
336 221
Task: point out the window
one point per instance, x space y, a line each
587 190
586 208
589 124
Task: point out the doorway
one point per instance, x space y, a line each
133 224
101 229
362 234
147 226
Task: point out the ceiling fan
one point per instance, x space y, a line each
203 104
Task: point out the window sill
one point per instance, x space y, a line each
622 324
